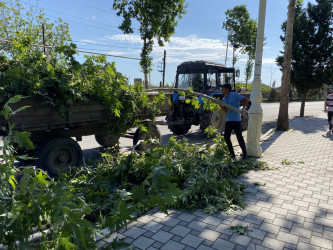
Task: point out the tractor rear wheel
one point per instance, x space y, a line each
216 119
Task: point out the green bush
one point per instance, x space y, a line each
263 87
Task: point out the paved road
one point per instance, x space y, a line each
270 113
91 148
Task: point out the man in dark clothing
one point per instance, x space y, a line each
234 119
328 107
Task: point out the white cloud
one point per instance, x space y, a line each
181 49
269 60
88 41
132 39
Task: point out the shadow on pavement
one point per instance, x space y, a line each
268 141
309 124
306 125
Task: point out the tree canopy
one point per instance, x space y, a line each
16 20
242 31
312 50
157 20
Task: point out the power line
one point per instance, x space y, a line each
79 23
83 51
101 50
63 13
104 45
91 6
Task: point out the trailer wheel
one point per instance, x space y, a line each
106 140
143 140
216 119
58 154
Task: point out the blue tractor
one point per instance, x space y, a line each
202 77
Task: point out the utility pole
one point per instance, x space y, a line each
46 52
164 68
44 48
226 53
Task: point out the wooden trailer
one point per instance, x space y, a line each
55 137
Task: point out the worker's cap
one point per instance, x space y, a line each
227 86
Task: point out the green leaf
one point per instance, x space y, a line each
119 244
161 176
171 194
125 212
6 112
65 244
23 139
139 193
12 181
41 177
20 109
14 99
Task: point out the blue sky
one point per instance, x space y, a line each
199 35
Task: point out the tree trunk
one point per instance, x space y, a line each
146 81
246 84
301 114
283 118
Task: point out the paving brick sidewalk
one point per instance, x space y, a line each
294 210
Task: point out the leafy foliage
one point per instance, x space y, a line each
203 173
157 20
57 210
263 87
69 212
63 84
312 47
15 17
286 162
242 30
240 229
31 202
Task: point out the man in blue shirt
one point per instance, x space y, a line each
234 119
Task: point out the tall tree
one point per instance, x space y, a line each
16 20
312 49
248 70
250 49
242 31
283 118
157 20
